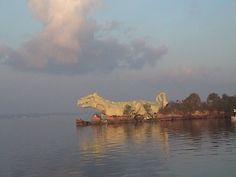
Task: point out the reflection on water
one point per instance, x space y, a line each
105 138
53 146
160 149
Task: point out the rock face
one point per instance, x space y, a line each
111 108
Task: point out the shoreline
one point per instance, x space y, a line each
97 120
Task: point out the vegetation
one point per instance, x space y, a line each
214 103
128 111
148 109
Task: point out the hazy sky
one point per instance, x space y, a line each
54 51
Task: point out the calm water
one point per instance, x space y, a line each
51 146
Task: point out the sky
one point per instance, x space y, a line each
52 52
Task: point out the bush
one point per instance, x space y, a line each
128 110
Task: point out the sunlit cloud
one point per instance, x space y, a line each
68 44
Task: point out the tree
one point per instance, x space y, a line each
192 102
212 98
228 104
127 110
214 101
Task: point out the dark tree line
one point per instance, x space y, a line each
192 103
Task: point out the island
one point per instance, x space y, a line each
138 111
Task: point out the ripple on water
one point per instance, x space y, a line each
38 147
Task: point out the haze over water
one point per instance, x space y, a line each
53 146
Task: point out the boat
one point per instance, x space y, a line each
233 118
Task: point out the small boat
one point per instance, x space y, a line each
233 118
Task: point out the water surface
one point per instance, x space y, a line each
51 146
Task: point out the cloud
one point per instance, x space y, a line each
68 44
